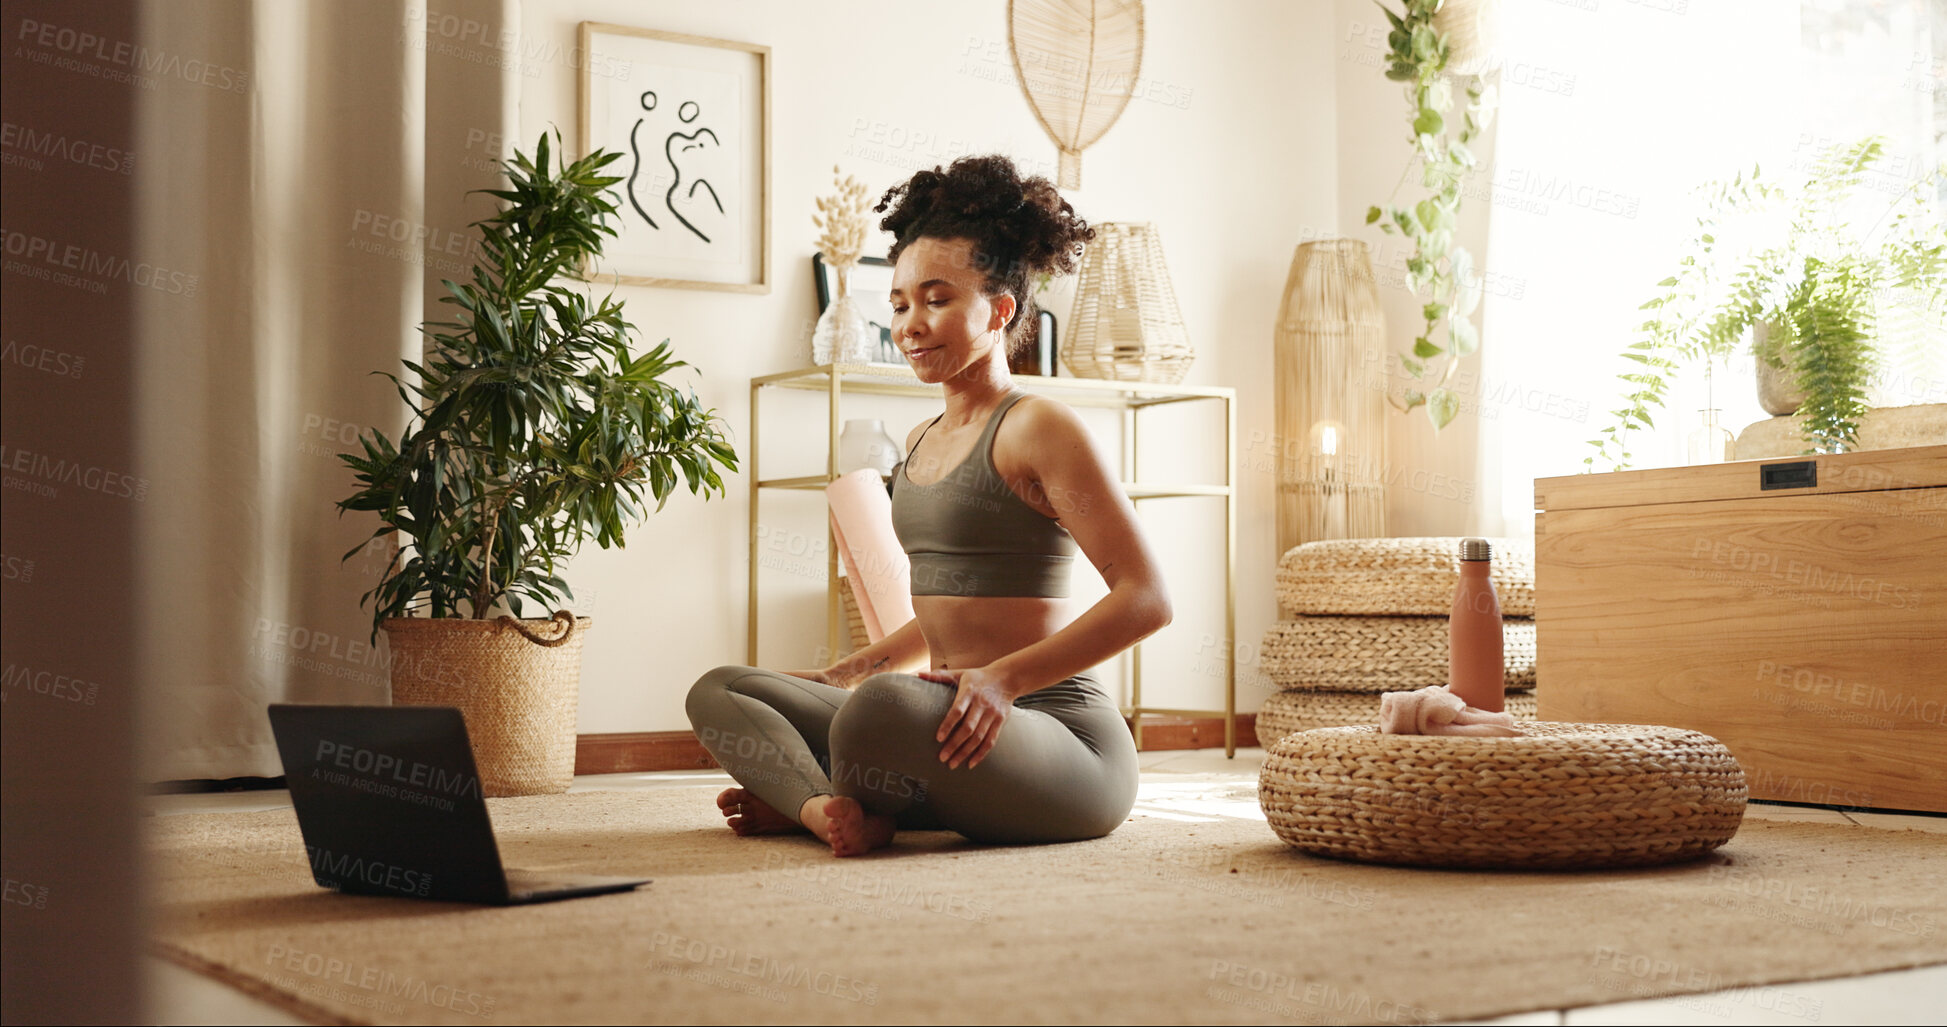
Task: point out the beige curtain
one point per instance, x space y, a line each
1554 328
307 183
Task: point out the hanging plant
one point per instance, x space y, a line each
1438 271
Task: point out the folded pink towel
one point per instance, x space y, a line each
1434 710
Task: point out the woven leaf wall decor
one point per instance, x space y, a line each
1077 61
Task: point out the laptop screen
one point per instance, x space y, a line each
388 800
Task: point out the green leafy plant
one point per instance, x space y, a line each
1438 271
535 426
1816 288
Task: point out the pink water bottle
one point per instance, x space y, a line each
1474 665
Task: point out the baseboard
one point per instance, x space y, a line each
642 752
1194 732
217 784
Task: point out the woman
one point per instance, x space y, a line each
1001 735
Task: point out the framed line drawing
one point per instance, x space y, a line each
691 117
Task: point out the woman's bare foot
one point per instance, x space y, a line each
748 814
845 825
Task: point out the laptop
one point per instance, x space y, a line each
390 804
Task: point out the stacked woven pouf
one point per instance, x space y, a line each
1369 615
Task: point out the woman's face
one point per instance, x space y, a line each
940 319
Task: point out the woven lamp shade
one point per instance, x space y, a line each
1330 443
1125 325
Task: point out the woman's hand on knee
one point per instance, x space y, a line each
823 677
973 723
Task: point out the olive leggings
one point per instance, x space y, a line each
1064 767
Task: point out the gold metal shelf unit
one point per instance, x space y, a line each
1131 398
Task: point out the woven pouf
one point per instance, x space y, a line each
1286 712
1379 654
1397 576
1561 796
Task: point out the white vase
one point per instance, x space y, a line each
864 443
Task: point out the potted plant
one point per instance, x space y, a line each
1439 270
535 427
1808 299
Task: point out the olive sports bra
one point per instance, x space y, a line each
968 534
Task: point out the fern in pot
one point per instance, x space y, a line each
535 428
1807 301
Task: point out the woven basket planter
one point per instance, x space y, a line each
856 636
1286 712
1391 576
1379 654
517 683
1563 796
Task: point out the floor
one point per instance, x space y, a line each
1192 785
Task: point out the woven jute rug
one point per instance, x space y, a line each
1168 920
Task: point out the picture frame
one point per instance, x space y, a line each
1040 360
870 284
691 117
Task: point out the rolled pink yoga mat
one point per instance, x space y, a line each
881 578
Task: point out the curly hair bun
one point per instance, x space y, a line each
985 198
1020 226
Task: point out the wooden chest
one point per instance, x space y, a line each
1794 608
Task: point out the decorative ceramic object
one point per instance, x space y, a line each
1078 65
1330 441
1924 424
864 443
1126 325
1778 394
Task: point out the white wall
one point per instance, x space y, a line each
1234 172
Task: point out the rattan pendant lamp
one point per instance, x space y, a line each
1330 440
1126 325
